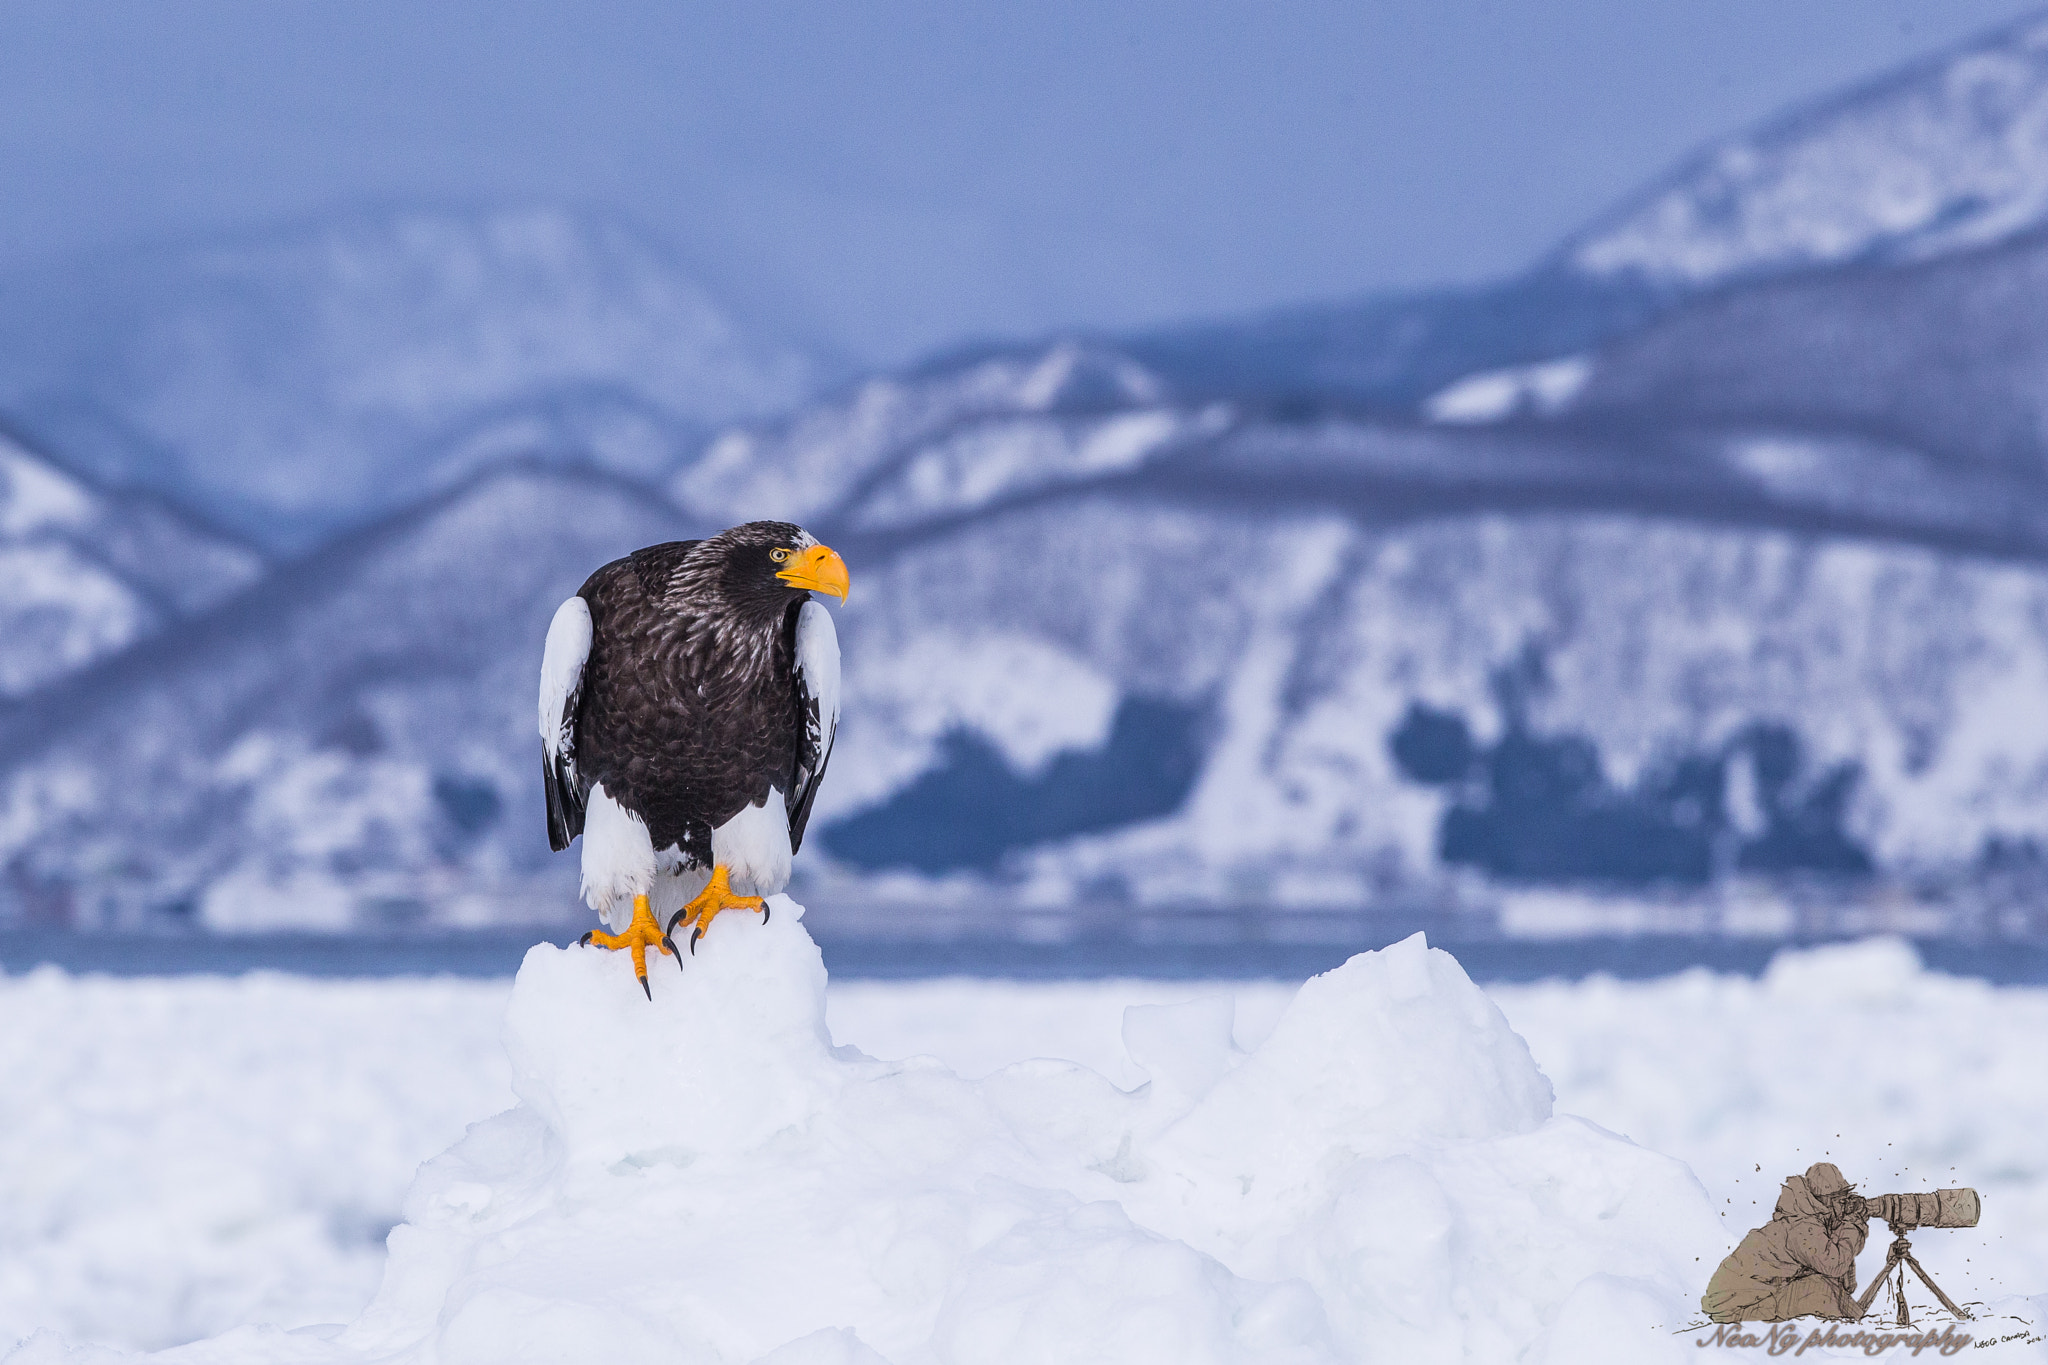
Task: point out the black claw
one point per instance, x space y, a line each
764 912
695 934
674 920
648 989
670 944
585 940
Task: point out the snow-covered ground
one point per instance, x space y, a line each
181 1156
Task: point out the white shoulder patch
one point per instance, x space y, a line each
561 671
817 664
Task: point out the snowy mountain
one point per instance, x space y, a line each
304 379
1361 651
1947 154
1903 400
1946 360
334 745
850 448
1218 697
85 572
1221 659
1387 353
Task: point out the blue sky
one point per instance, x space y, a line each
893 175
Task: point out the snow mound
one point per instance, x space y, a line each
706 1178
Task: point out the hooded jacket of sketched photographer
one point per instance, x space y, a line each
1802 1262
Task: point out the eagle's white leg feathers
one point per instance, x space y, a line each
620 861
618 858
753 847
561 672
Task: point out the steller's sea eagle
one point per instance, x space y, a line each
689 696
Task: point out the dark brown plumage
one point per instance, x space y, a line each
691 703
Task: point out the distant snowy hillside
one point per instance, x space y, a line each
303 379
1946 155
889 428
1948 359
1273 702
1389 352
1949 153
85 572
1113 652
329 748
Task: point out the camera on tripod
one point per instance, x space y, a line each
1905 1212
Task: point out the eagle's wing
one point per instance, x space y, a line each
561 687
817 696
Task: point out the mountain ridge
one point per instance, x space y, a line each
1912 163
300 378
1390 352
87 572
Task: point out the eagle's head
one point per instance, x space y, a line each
763 566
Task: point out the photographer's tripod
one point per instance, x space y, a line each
1902 1250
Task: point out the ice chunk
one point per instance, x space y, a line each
1585 1332
731 1049
1088 1286
49 1348
1393 1049
1184 1048
1873 970
829 1346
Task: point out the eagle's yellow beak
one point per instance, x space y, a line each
820 569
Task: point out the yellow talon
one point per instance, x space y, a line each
641 934
715 898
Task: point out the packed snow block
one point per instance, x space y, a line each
1616 1320
729 1050
1185 1048
832 1346
1391 1144
1089 1284
1470 1251
705 1179
49 1348
1871 972
242 1346
1390 1050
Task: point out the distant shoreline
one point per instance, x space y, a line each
495 953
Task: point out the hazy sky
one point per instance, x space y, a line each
897 175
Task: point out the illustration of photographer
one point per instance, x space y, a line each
1803 1262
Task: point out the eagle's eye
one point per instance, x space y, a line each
778 555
